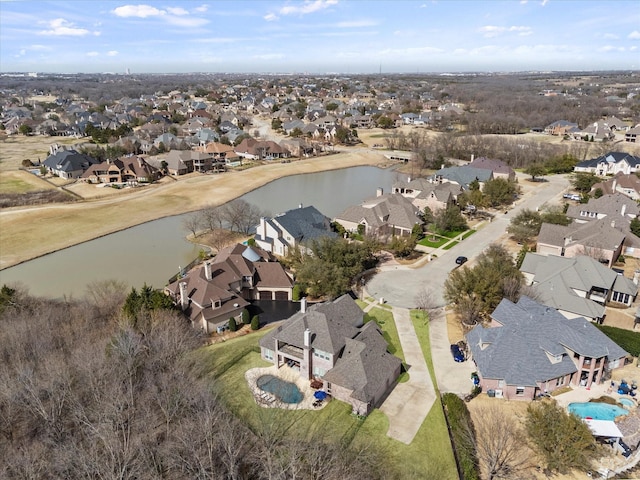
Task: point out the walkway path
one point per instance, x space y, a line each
409 403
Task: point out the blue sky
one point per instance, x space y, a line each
318 36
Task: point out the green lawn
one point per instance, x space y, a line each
468 233
450 245
428 242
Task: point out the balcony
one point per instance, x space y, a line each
291 351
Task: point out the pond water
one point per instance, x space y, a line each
596 411
153 252
286 392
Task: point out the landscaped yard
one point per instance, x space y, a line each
428 456
429 241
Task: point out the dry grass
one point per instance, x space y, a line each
16 148
22 230
21 181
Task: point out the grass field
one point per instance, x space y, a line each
428 242
428 456
20 181
16 148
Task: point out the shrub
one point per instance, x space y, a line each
255 322
461 428
232 325
245 316
296 294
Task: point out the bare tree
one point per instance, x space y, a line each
426 301
192 223
499 443
213 217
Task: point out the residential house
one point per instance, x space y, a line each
628 184
169 140
329 342
381 216
632 135
293 229
530 349
599 131
424 193
180 162
132 170
261 149
68 164
220 152
561 128
597 239
498 167
577 287
220 289
610 164
463 176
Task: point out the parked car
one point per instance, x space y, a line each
460 260
457 354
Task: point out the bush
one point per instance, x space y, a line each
245 316
296 294
255 322
232 325
461 428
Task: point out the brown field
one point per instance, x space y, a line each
16 148
21 181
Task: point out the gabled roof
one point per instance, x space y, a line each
305 224
611 157
464 175
330 323
497 166
388 209
521 350
69 161
598 234
615 203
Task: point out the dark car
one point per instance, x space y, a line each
457 354
460 260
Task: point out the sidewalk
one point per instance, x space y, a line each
409 403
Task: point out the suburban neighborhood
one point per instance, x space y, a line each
497 272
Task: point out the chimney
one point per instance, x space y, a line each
408 179
207 270
303 305
299 205
472 156
307 338
623 209
614 185
184 301
613 224
379 192
636 276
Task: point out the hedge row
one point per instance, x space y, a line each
461 429
627 339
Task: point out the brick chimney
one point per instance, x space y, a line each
207 270
184 300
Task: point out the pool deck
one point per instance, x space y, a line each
583 394
287 374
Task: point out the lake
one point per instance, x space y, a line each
153 252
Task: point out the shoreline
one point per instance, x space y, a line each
47 229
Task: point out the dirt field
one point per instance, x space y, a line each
16 148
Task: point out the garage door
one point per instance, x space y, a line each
265 296
282 296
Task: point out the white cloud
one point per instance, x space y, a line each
92 54
186 21
544 2
112 53
610 36
635 35
270 17
490 31
201 8
177 11
633 49
611 48
62 27
140 11
307 7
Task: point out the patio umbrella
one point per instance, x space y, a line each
320 395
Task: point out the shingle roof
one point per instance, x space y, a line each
305 224
388 209
69 161
464 175
519 351
611 157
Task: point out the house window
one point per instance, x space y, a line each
321 354
620 297
519 391
559 381
319 372
268 354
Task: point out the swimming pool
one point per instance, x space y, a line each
286 392
627 402
596 411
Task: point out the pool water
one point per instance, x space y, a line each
627 402
286 392
597 411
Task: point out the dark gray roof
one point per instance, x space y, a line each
305 224
611 157
464 175
331 324
69 161
522 349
